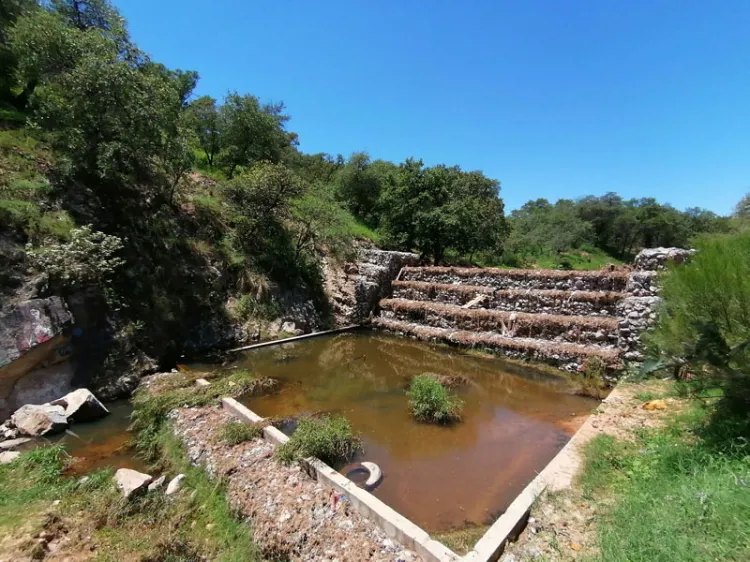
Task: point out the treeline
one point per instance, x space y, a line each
617 226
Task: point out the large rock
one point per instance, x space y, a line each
7 457
175 485
81 406
130 481
39 420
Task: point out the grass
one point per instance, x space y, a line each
236 432
461 541
591 381
677 493
431 402
361 231
329 439
193 526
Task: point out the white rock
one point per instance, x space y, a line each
288 327
12 444
175 484
158 483
39 420
9 456
130 481
81 406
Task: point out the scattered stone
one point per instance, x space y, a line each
81 406
12 444
655 405
175 485
7 431
9 456
576 546
158 483
131 481
39 420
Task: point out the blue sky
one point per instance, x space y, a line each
554 98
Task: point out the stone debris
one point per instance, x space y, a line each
293 517
8 456
158 483
12 444
81 406
35 421
130 481
175 485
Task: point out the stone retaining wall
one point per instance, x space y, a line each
377 269
533 279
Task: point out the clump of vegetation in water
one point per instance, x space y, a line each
431 402
592 382
329 439
236 432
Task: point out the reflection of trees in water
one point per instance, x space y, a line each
347 356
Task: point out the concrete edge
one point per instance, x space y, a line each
393 524
294 338
558 474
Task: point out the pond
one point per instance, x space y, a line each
515 420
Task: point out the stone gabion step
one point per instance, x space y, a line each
565 356
546 301
536 279
588 330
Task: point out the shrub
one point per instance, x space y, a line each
88 258
431 402
329 439
236 432
704 322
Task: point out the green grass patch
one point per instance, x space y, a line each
461 541
329 439
430 401
361 231
236 432
677 493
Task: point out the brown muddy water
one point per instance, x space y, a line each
515 420
102 443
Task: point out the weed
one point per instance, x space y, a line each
430 401
461 541
592 382
329 439
236 432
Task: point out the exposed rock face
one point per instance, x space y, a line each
378 268
40 420
81 406
29 324
130 481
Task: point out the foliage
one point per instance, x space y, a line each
430 401
704 322
540 227
236 432
329 439
441 208
89 258
678 493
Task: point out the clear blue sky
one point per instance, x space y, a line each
554 98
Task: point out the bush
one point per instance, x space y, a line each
431 402
236 432
328 439
703 330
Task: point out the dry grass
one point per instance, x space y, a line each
538 348
521 319
431 289
604 274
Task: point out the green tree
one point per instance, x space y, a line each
360 184
204 116
540 228
319 221
252 132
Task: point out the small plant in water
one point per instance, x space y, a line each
429 401
329 439
592 382
236 432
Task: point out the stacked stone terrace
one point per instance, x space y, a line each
556 317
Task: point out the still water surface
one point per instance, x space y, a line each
441 477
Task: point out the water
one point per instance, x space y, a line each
102 443
441 477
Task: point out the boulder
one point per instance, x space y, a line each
130 481
81 406
12 444
9 456
158 483
175 484
288 327
34 420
